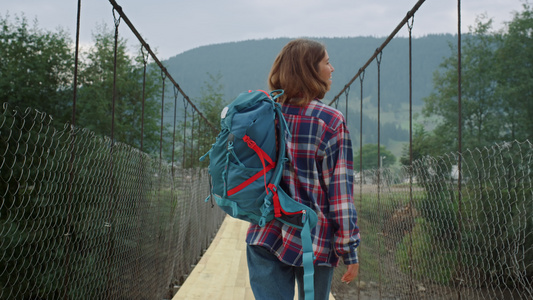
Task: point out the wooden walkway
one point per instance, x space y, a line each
222 273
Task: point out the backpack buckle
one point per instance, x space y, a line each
277 204
231 139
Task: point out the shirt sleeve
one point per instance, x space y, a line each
337 171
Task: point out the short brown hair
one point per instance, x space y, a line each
295 71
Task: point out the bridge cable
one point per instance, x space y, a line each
185 108
160 177
174 201
118 8
76 63
410 248
346 93
112 204
163 79
460 153
385 43
192 139
117 23
72 156
176 94
145 62
199 136
137 267
379 55
361 79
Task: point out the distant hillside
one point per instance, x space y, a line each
245 65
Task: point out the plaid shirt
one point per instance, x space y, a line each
319 173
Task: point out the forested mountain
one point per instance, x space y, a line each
495 93
245 65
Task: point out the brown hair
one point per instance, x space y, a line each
295 71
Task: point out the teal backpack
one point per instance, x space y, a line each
246 169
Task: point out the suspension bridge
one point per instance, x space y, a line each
87 217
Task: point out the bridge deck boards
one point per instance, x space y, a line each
222 272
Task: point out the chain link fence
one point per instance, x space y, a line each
84 218
424 237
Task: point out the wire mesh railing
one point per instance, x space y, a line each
419 240
109 222
121 225
84 217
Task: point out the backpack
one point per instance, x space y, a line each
246 167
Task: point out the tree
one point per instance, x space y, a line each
514 75
497 77
36 74
211 104
370 157
36 68
497 107
96 94
481 113
424 143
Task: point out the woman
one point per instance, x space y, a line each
319 173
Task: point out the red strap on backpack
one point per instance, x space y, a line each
277 205
263 157
278 209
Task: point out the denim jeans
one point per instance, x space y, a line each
273 279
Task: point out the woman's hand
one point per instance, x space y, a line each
351 273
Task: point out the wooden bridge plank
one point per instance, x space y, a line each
222 272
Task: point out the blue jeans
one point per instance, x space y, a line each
273 279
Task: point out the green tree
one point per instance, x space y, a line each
496 86
514 74
96 94
212 100
497 107
370 157
36 68
211 104
35 72
424 143
481 113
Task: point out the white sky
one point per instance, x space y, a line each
174 26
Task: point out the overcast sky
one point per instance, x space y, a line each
174 26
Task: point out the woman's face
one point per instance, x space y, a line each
325 69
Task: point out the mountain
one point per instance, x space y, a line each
245 65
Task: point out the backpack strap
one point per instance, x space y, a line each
264 157
298 215
307 260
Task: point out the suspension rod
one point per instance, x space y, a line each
118 8
378 50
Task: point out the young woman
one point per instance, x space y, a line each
319 173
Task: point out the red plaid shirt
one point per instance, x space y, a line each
319 173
